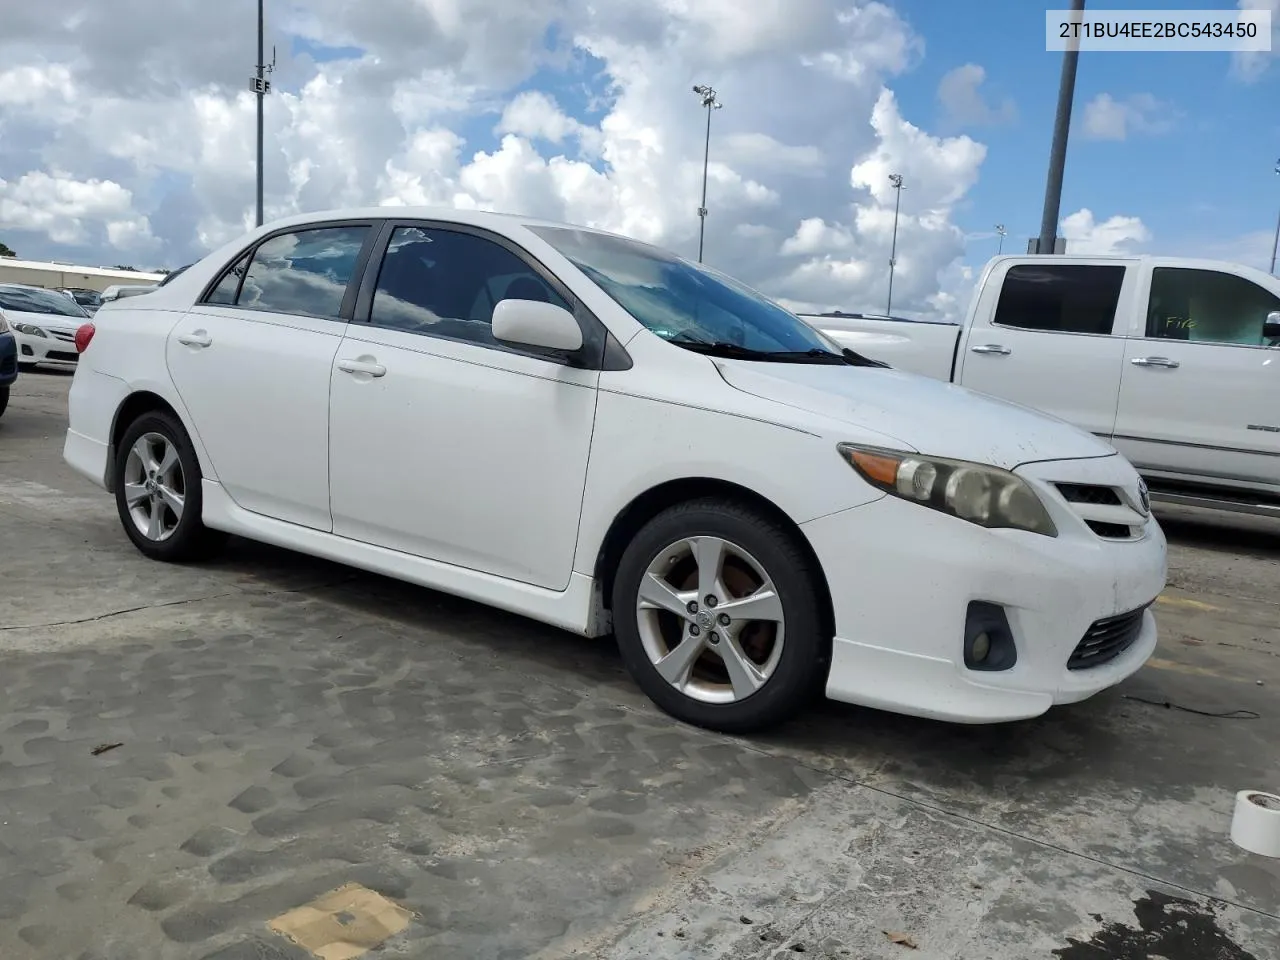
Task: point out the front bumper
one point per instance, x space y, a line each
8 359
902 577
56 350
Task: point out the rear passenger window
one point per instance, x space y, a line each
229 286
1060 298
305 273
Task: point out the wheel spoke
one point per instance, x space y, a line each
744 676
176 501
708 553
764 604
657 593
146 456
675 666
168 461
135 493
155 523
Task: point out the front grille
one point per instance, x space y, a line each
65 337
1107 639
63 355
1088 493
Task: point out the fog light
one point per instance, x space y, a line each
988 640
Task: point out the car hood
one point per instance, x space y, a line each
46 321
925 415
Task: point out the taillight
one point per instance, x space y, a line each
83 336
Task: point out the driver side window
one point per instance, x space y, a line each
1207 306
445 283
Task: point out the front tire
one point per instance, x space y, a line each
157 484
719 619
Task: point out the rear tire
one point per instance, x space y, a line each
754 656
4 399
157 485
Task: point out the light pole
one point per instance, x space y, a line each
896 180
261 86
1275 244
1000 232
711 103
1058 152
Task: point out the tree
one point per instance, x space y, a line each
119 266
6 250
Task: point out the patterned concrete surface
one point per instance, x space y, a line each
286 726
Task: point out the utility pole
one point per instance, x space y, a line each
896 180
1058 152
1000 232
1275 244
711 103
261 86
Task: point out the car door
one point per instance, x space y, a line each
1200 397
1050 335
252 361
446 443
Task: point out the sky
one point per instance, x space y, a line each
127 131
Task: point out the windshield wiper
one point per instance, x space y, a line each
734 351
855 359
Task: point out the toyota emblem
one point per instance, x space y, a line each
1144 496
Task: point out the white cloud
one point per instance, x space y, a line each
153 141
1250 66
961 98
1106 118
67 209
1115 235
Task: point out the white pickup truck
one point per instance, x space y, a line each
1172 360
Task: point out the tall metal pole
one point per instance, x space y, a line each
1275 244
1058 152
711 103
896 180
261 90
1001 232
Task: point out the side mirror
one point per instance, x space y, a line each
1271 327
532 323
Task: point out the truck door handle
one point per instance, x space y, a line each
197 338
995 348
367 367
1155 362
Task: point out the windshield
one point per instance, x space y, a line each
86 298
685 303
37 300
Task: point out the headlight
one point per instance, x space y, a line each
30 329
981 494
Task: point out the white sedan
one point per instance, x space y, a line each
597 434
44 322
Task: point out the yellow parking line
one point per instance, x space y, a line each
1160 663
1188 603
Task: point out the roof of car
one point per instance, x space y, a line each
457 214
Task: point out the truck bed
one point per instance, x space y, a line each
924 347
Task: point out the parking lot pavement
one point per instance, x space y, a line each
286 726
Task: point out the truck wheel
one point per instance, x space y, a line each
158 495
718 618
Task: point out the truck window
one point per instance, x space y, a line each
1061 298
1207 305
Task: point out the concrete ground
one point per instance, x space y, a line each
287 726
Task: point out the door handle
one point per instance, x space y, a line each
367 367
995 348
1155 362
197 338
